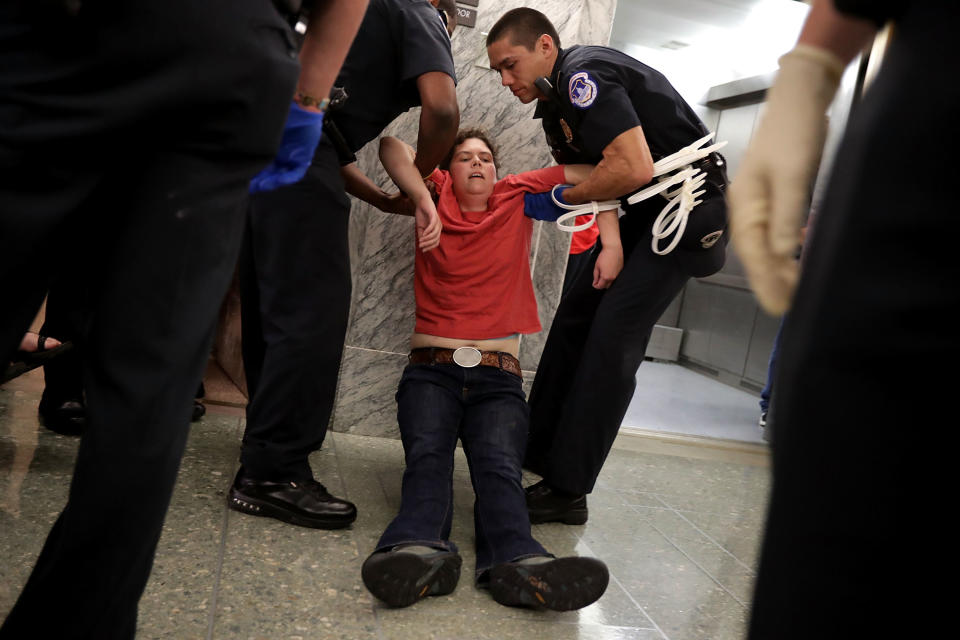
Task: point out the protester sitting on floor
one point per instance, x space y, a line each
474 297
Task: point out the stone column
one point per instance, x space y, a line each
382 245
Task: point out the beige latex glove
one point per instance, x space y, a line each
769 197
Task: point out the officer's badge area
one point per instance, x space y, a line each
583 90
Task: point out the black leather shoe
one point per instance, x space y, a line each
68 418
401 578
199 410
562 584
547 504
305 503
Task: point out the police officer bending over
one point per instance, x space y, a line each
602 107
295 266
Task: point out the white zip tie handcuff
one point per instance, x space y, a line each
683 198
591 209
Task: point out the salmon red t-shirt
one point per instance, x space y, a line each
476 285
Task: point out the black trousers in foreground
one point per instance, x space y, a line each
142 121
856 542
587 374
295 290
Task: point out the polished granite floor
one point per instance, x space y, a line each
678 525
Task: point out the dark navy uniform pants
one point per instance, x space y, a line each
295 289
144 122
587 374
864 423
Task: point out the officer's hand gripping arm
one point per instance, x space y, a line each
359 185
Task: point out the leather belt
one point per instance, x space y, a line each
466 357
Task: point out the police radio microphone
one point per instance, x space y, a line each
543 84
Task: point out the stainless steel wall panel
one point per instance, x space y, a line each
718 323
736 127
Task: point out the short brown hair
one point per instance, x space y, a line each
464 135
524 26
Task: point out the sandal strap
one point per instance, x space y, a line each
41 342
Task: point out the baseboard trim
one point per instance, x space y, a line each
647 441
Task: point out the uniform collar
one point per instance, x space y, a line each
543 106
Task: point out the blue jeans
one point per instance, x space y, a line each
771 367
484 407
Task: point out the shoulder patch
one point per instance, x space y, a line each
583 90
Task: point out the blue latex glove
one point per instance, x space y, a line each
540 206
301 134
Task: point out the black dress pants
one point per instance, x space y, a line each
160 113
66 319
295 290
857 543
587 374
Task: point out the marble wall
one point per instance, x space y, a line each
382 245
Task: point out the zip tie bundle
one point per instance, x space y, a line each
591 209
684 198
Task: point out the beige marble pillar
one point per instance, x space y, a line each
382 245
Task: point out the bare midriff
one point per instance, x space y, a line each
509 344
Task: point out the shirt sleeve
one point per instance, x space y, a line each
596 91
439 177
538 180
422 41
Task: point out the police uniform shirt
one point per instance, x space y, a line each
600 93
398 41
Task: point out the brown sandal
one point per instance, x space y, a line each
24 361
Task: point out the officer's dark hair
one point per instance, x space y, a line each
524 26
449 9
462 136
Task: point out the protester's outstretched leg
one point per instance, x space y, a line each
414 557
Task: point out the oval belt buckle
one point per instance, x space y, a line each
467 357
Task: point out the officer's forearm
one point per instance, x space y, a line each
626 166
604 183
576 173
330 32
360 186
439 119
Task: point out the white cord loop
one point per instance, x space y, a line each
684 199
591 209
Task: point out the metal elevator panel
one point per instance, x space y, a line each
736 127
718 324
